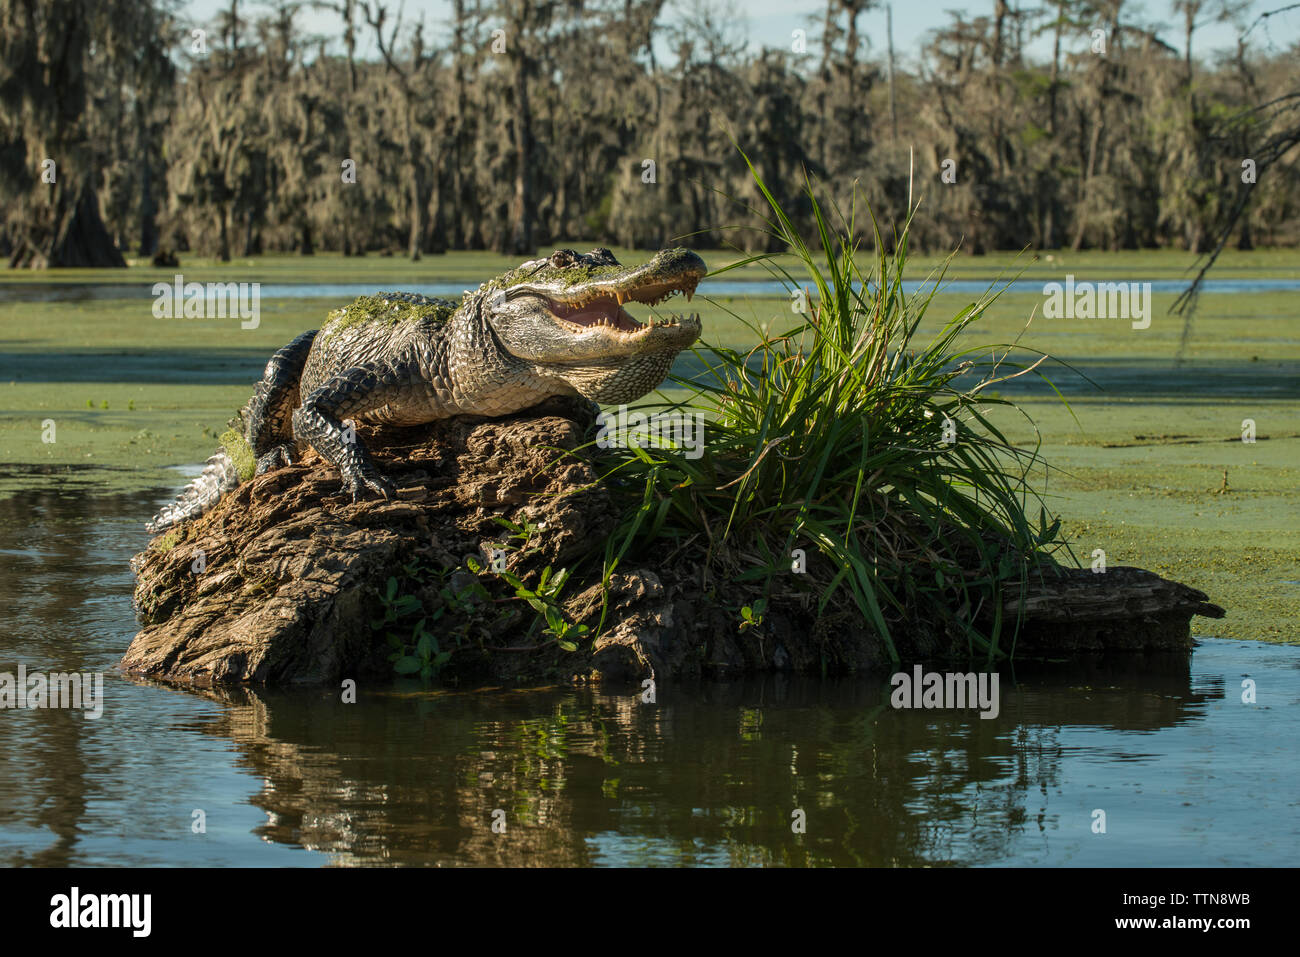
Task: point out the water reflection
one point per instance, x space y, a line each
708 774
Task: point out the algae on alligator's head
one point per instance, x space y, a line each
568 276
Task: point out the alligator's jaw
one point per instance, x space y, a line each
608 316
600 316
570 310
596 303
625 380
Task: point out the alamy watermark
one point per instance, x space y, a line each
1105 300
59 689
661 430
947 690
77 910
213 300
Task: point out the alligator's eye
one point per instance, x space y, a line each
563 258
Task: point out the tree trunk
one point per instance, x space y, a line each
415 239
148 209
999 31
1056 74
893 104
223 215
1245 241
76 235
1081 220
521 242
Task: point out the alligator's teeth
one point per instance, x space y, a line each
621 296
690 294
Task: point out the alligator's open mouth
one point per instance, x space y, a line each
605 310
596 300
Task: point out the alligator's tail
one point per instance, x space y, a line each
232 463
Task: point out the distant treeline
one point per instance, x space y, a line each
527 123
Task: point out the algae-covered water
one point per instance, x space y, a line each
1184 766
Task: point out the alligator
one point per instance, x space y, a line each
553 326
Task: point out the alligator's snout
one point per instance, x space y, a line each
583 296
573 307
601 304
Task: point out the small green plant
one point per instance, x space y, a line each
166 543
427 659
416 649
525 533
395 606
420 652
545 601
241 454
751 616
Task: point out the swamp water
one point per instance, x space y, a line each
84 292
1185 772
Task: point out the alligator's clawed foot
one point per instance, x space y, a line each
279 455
370 483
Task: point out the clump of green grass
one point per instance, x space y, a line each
848 437
236 446
165 543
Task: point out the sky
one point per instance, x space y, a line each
771 22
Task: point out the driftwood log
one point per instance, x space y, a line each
284 580
1121 609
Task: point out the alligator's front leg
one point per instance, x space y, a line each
319 421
